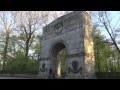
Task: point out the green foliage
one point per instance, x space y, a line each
0 66
20 64
63 61
106 56
62 56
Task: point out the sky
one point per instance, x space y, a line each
115 17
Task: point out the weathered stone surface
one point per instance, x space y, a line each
72 31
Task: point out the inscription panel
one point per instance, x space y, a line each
67 25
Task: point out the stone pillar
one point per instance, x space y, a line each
44 67
88 48
81 62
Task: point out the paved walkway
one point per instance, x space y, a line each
15 78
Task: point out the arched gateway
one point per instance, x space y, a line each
73 32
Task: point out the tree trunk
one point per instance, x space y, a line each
113 39
27 49
5 50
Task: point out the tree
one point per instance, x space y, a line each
105 21
106 56
37 47
7 27
29 23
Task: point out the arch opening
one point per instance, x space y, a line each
59 58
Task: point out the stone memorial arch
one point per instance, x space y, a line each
73 32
